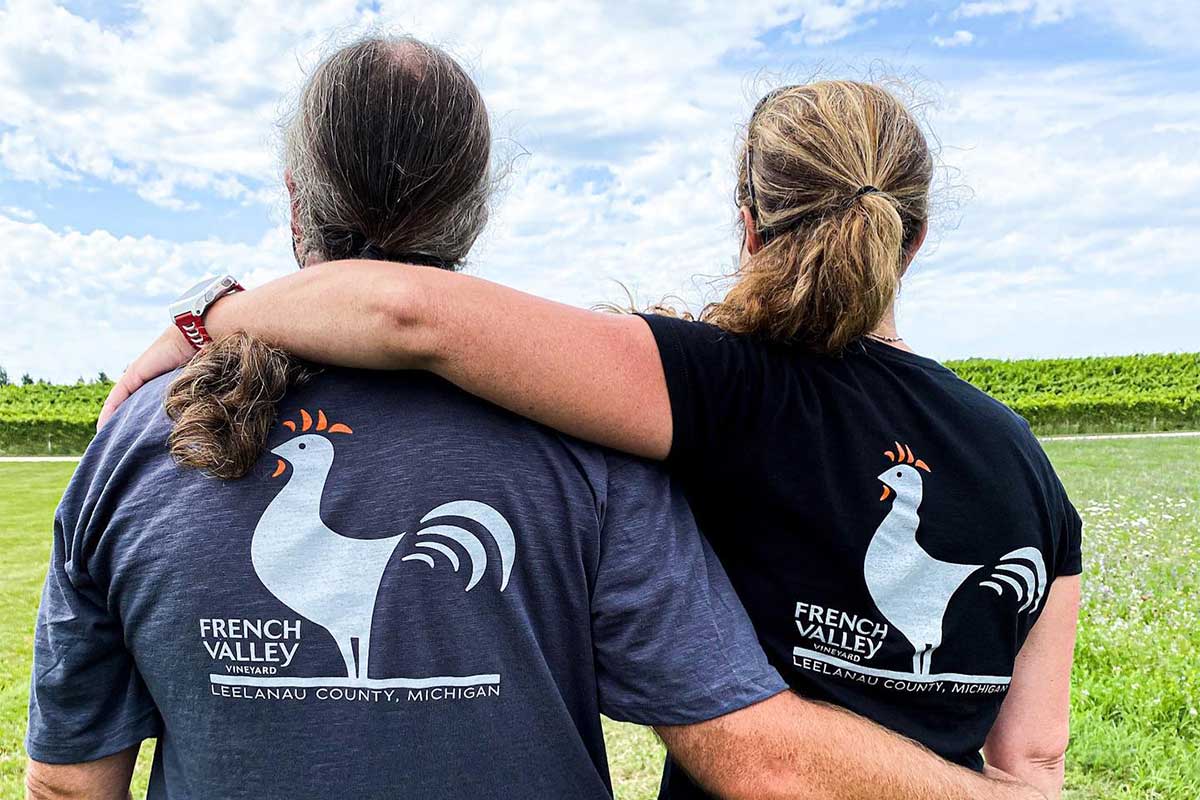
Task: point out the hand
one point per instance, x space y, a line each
169 351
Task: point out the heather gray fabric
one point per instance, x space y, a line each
433 598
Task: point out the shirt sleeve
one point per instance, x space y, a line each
673 644
1070 557
717 385
87 699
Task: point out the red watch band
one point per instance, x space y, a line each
191 324
192 328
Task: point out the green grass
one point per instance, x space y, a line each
1136 729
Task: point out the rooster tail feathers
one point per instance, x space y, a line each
1025 571
483 515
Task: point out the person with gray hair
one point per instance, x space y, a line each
400 590
388 157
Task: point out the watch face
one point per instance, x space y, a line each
199 287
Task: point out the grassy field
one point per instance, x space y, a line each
1137 681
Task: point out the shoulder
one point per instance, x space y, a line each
698 356
427 410
678 332
133 439
1007 425
140 424
984 406
623 467
702 342
1002 429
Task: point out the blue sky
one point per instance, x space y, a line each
139 153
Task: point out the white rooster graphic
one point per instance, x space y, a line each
912 588
333 580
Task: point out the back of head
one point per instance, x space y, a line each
836 175
387 157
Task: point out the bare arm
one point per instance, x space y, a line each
788 747
1029 739
103 779
595 375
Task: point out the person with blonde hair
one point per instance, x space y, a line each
899 539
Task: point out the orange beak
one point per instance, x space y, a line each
279 469
887 492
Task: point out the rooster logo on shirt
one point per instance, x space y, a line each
912 588
333 580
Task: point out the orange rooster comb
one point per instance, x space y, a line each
903 454
306 423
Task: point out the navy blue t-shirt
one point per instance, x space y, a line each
892 530
414 594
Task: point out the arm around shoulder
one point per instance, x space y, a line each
593 375
788 747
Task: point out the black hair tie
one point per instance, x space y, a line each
364 248
868 189
371 252
423 259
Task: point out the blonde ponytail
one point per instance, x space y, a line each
841 175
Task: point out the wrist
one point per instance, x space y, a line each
189 311
220 319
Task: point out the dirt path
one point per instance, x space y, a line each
1082 437
31 459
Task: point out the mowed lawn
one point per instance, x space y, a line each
1137 681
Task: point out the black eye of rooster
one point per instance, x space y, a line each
898 474
302 445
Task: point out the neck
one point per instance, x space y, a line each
886 329
903 518
304 489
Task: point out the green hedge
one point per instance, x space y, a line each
1064 395
45 437
1111 394
48 419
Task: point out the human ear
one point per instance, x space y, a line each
752 241
911 252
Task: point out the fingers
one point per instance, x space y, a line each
125 386
169 351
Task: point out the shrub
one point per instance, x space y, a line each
1063 395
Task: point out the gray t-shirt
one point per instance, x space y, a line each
414 594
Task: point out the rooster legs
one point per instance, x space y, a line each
364 654
346 647
923 660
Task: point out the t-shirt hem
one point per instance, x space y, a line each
64 753
733 697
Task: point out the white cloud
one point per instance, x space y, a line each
18 213
1042 11
824 22
960 38
73 303
25 159
1168 24
1082 173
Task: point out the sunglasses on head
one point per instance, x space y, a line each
768 97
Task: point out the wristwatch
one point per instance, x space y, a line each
188 311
